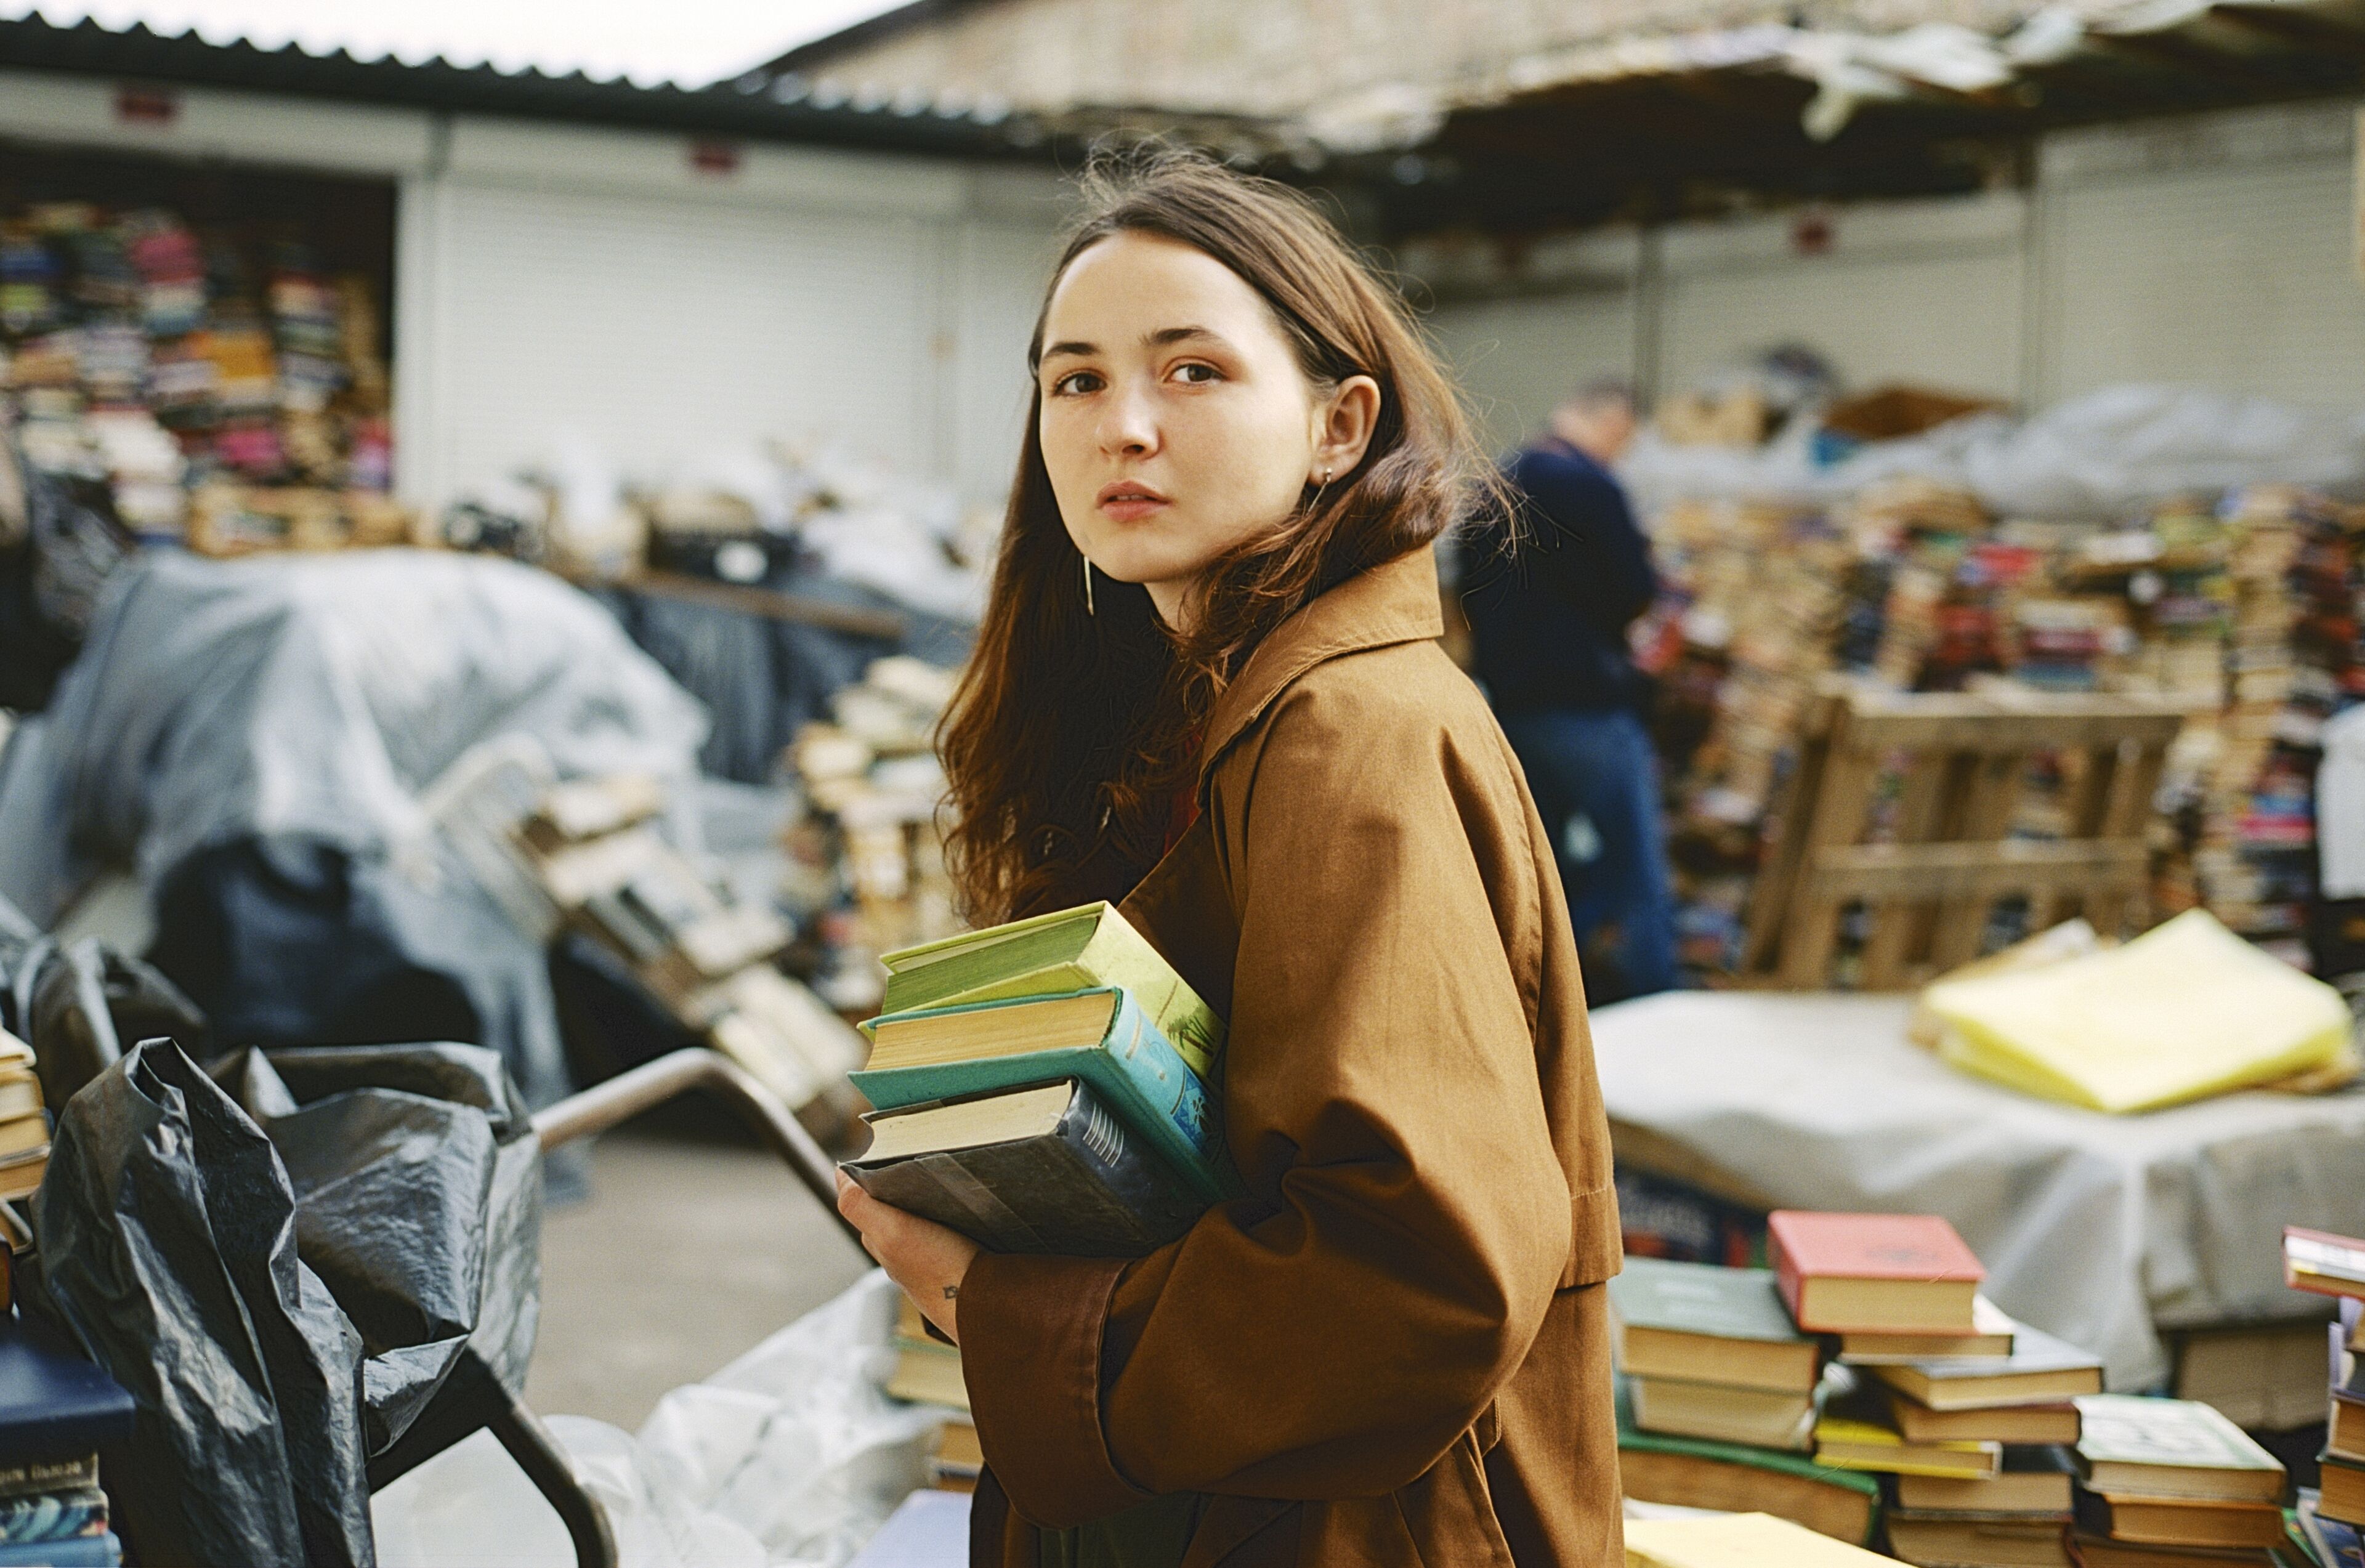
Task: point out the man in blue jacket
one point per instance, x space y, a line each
1548 611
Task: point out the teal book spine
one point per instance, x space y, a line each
1134 1069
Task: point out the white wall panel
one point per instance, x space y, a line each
209 123
1517 357
2242 279
1001 272
663 327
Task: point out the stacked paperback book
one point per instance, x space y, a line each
1862 1382
2335 1266
2173 1484
1039 1087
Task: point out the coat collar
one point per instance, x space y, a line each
1396 601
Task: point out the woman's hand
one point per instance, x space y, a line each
925 1258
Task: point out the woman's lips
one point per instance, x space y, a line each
1131 508
1126 501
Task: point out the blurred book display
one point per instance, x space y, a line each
592 850
223 387
2240 604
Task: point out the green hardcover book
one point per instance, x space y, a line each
1072 949
2172 1448
1698 1322
1697 1472
1102 1037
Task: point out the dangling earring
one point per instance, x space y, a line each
1087 560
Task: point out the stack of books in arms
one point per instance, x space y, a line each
1039 1087
1962 1413
2331 1517
2173 1484
56 1411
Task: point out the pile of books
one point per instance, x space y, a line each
1861 1382
2173 1484
1040 1087
1717 1397
928 1371
590 849
2335 1266
57 1411
24 1128
1962 1412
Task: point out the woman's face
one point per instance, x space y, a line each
1175 421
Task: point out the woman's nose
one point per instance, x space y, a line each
1129 427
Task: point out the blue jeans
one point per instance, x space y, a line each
1596 781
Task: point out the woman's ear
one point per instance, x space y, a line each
1343 427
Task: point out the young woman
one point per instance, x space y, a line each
1208 684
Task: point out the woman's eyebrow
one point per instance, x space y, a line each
1073 350
1168 335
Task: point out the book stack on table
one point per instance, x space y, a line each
1963 1413
1040 1087
2173 1484
2335 1266
56 1412
1718 1396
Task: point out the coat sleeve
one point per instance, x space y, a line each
1334 1334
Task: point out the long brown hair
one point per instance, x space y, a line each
1071 732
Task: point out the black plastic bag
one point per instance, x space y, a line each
284 1285
76 1004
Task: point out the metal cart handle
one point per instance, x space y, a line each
644 1088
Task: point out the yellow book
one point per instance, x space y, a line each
1843 1444
1728 1540
2185 1010
1067 951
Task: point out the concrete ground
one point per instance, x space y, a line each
693 1247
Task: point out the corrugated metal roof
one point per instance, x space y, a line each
760 105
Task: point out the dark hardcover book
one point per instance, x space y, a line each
53 1515
53 1403
1046 1170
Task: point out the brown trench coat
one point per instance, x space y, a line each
1395 1349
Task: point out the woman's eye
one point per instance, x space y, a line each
1074 382
1193 373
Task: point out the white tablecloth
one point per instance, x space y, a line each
2100 1229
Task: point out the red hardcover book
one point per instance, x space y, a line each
1843 1274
